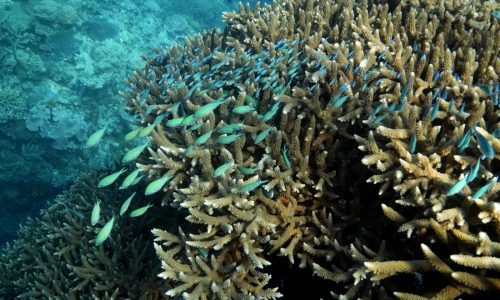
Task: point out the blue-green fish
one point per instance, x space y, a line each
413 142
338 101
203 138
134 153
251 186
243 109
126 204
157 185
457 187
483 189
132 134
247 171
284 152
110 178
140 211
221 169
195 126
175 122
270 114
104 232
473 172
146 130
202 252
251 101
485 145
96 213
229 128
206 109
228 139
261 136
96 137
188 120
129 179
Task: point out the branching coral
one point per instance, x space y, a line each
275 134
55 256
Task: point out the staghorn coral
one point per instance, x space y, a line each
55 256
275 133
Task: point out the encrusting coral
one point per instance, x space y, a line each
255 132
55 256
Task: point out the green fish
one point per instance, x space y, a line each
110 178
485 146
156 185
223 168
202 252
134 153
188 120
126 204
104 232
285 157
243 109
132 134
96 137
251 186
146 130
270 114
482 190
229 128
203 138
206 109
457 187
140 211
261 136
175 122
473 172
247 171
251 101
338 101
228 139
96 213
129 179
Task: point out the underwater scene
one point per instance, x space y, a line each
293 149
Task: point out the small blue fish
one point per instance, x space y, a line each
228 139
243 109
457 187
229 128
413 142
338 101
485 145
473 172
222 169
284 153
261 136
108 180
247 171
479 193
203 138
206 109
126 204
251 186
96 137
96 213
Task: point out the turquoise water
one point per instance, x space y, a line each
63 64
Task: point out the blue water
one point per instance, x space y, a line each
63 64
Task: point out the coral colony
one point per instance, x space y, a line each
272 136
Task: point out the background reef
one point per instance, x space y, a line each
355 143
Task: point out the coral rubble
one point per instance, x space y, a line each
275 132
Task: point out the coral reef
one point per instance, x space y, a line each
55 256
275 134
